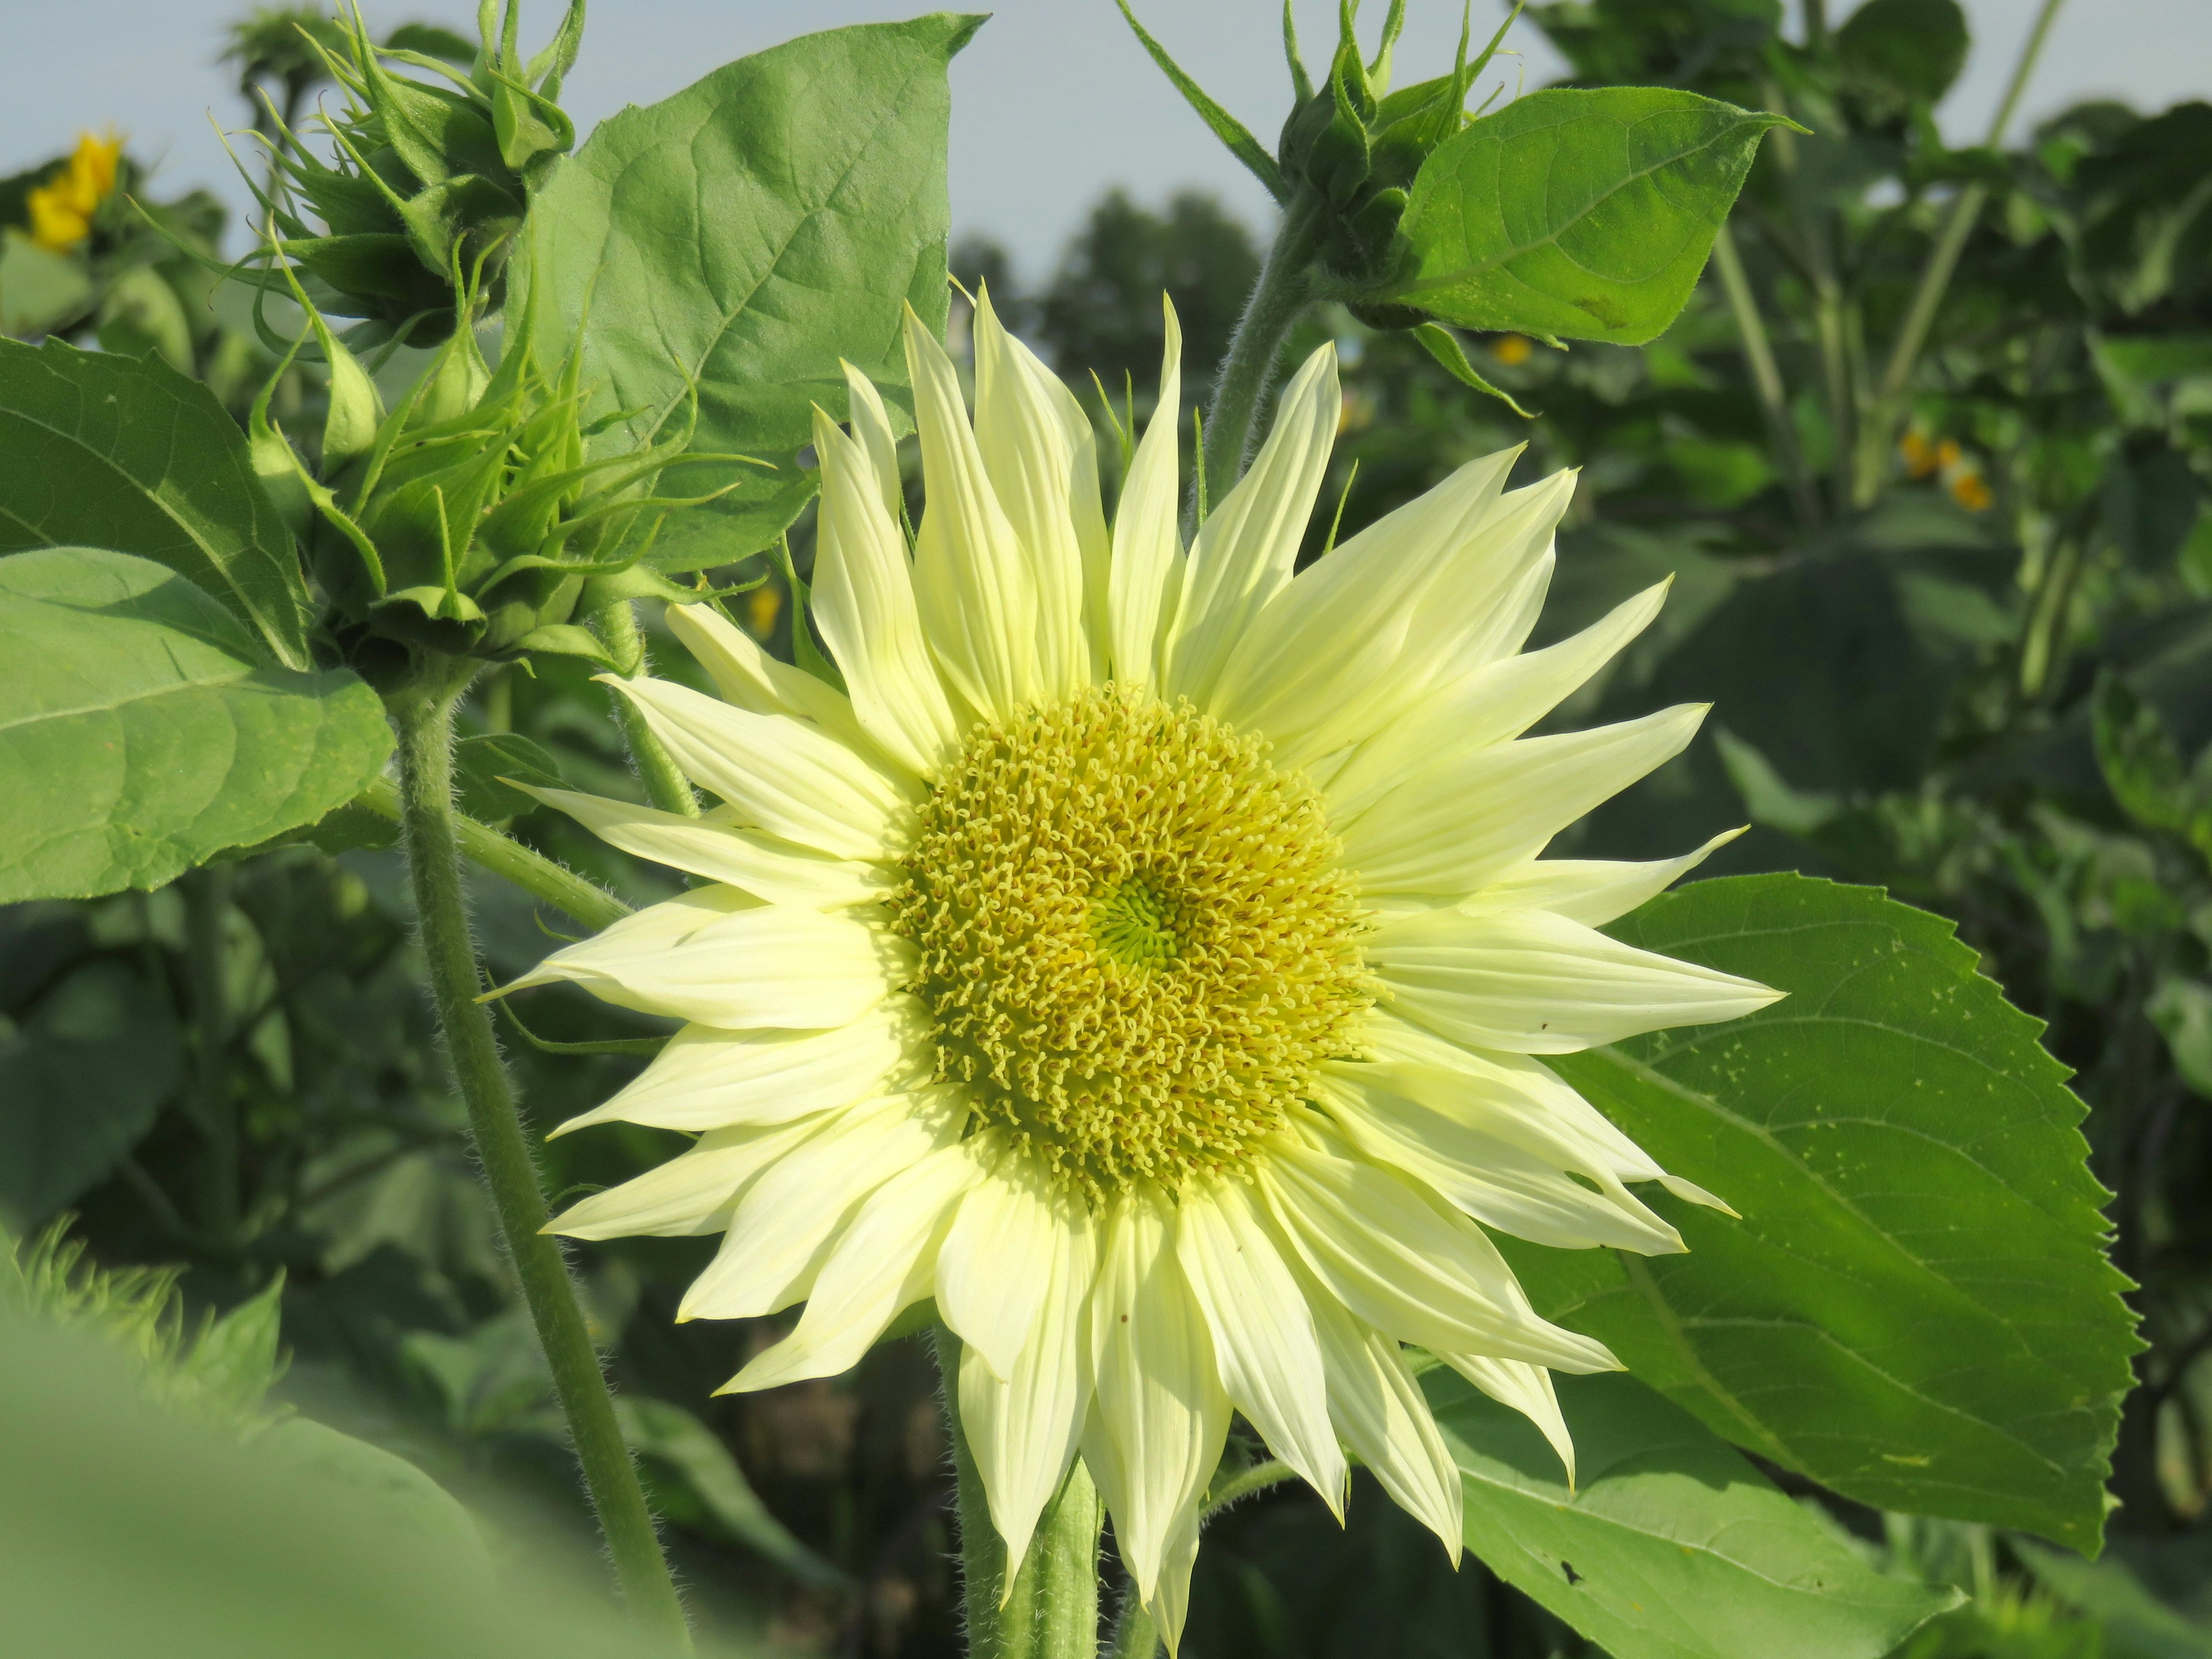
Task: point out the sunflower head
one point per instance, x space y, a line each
1135 939
1145 954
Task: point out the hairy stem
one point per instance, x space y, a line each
669 789
1890 403
423 714
1277 300
1766 375
1050 1611
536 874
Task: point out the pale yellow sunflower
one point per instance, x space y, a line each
1147 955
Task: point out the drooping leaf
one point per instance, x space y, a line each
743 236
123 453
1586 214
81 1079
1670 1545
1915 1309
695 1482
480 763
141 730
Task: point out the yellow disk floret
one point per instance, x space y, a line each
1136 938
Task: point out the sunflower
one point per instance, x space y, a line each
1146 955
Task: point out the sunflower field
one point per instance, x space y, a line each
1481 927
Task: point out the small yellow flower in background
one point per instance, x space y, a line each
1511 350
764 605
1921 460
61 210
1970 489
1150 959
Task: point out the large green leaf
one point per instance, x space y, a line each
141 730
1671 1545
124 452
81 1079
1916 1308
746 235
1587 213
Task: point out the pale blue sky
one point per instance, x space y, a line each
1053 102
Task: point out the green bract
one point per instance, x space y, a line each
470 519
428 181
1584 214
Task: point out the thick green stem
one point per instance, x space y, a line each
207 910
668 789
1050 1611
1766 375
1135 1635
505 857
424 716
1892 400
1277 299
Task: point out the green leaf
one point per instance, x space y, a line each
140 729
38 288
123 453
81 1078
695 1484
1672 1545
1903 53
1587 213
1441 343
1915 1309
825 216
481 763
2144 768
1223 125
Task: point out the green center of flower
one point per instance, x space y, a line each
1136 940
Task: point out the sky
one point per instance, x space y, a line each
1054 102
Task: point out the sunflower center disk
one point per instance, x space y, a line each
1136 938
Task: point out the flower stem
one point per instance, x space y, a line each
1893 399
1277 299
504 856
1766 376
423 714
615 624
1051 1609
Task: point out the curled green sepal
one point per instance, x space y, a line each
1443 345
1226 127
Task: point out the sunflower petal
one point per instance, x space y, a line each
1527 1390
1023 1429
1323 665
1592 891
864 600
791 1217
770 965
777 874
1245 550
749 678
972 583
1031 454
1147 564
878 444
1160 1416
711 1079
1263 1335
1448 827
785 775
692 1193
1496 702
1529 982
884 1261
1406 1264
1380 1410
999 1265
